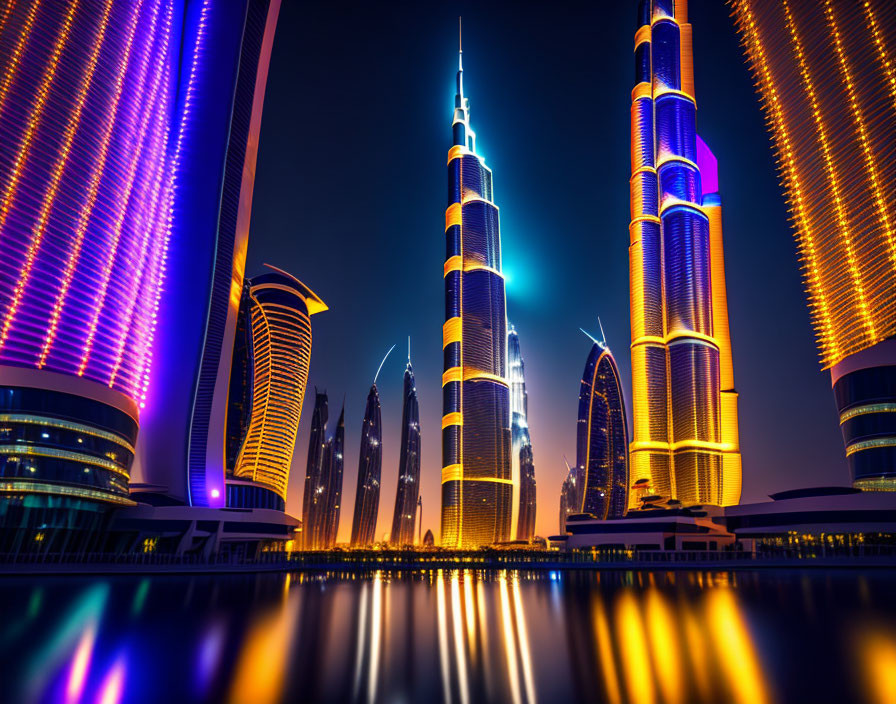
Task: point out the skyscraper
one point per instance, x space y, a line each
569 496
279 316
477 485
826 72
684 403
317 457
523 465
219 62
333 491
602 437
408 490
87 103
370 465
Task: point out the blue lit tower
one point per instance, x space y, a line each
602 437
221 62
317 446
684 403
477 484
408 490
370 465
521 445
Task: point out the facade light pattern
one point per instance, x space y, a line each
82 219
477 483
684 403
836 154
280 319
370 467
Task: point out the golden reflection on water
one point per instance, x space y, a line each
877 654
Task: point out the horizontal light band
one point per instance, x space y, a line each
39 451
673 336
669 202
853 412
666 158
455 263
80 492
641 90
665 90
66 425
490 480
683 445
452 215
452 374
450 419
476 266
451 331
479 375
641 36
645 218
452 473
872 444
458 150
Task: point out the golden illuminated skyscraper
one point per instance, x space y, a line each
477 481
685 406
279 316
826 72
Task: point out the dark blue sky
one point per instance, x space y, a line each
351 190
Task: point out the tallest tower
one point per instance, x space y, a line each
685 406
477 485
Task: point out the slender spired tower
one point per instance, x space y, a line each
685 416
317 447
521 445
569 496
408 490
602 436
477 485
827 72
370 465
333 490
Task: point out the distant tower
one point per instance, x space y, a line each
684 403
602 437
314 468
826 72
370 464
280 313
333 490
428 539
521 446
477 485
569 496
408 490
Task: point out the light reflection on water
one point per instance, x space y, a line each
455 636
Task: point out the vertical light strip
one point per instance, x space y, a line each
817 294
87 210
879 199
832 176
509 640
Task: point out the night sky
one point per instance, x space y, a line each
351 190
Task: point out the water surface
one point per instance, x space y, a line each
458 636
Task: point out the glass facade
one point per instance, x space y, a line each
370 465
477 483
408 491
866 401
322 498
602 438
279 316
333 490
523 461
685 406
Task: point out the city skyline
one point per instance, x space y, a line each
546 265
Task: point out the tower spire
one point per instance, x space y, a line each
382 363
603 338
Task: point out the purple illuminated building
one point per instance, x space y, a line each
127 147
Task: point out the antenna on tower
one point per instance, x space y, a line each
382 363
589 336
409 349
603 337
460 44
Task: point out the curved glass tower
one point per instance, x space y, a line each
521 446
602 437
685 419
826 73
87 102
279 316
477 484
370 466
408 489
